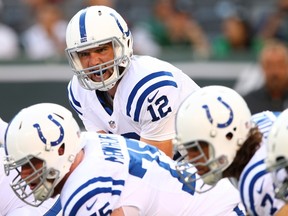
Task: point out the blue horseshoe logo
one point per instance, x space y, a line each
220 125
41 136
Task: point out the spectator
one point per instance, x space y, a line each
108 3
251 78
170 28
236 39
275 25
273 95
10 46
46 38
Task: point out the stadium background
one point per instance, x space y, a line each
23 82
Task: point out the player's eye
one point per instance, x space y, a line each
83 54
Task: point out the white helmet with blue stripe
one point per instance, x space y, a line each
90 28
45 132
218 118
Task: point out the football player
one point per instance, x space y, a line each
114 91
11 205
277 157
216 132
100 174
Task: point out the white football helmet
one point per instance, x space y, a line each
217 116
277 155
41 131
90 28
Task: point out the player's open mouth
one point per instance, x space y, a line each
99 76
99 73
201 170
32 185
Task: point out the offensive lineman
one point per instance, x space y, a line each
234 142
100 174
11 205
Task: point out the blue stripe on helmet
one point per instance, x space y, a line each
119 25
82 27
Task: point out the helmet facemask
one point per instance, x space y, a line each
210 117
90 28
117 65
42 141
37 187
202 155
279 174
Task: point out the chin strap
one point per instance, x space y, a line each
44 191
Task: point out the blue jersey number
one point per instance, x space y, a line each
162 110
268 200
150 153
103 211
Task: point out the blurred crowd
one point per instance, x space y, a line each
35 29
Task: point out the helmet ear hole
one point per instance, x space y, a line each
61 149
229 136
280 158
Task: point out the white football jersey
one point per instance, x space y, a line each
255 184
145 103
117 172
11 205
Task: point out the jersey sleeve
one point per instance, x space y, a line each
154 100
74 96
157 116
97 196
257 191
95 187
11 205
255 184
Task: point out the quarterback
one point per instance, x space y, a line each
114 91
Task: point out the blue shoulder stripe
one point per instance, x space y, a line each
74 108
74 102
140 84
251 191
77 103
147 92
92 193
251 183
97 190
55 209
